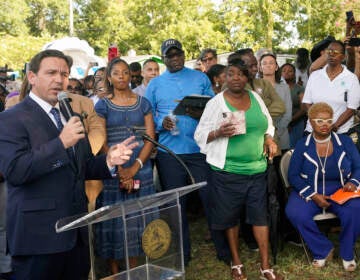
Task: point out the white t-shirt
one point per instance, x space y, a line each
345 86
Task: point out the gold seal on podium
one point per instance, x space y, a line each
156 239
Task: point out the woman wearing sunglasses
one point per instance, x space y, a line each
75 87
322 163
337 86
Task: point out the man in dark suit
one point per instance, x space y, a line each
45 161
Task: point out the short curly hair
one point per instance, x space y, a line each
320 107
239 64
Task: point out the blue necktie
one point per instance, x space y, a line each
55 112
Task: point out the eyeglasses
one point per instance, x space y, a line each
172 55
333 52
323 121
74 88
206 59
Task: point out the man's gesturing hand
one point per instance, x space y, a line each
72 132
120 153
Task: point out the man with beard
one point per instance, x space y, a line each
163 91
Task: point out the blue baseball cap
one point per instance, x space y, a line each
168 44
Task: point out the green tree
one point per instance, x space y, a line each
260 23
48 17
143 25
98 23
186 20
19 50
12 17
26 25
317 19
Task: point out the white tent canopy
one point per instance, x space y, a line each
80 51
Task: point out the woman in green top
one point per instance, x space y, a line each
236 151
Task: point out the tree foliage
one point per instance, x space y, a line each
143 24
48 17
98 23
16 53
12 17
313 24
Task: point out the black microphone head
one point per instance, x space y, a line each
62 95
138 131
139 128
64 105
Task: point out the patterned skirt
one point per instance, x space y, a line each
109 235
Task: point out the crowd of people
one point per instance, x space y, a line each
54 165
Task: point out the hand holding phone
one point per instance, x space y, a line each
349 16
354 42
236 120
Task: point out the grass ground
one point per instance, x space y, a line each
291 261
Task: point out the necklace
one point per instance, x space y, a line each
323 164
320 141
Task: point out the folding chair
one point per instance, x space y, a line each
324 218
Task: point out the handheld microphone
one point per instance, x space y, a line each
64 105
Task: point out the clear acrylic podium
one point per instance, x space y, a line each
160 215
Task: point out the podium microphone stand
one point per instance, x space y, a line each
158 217
148 138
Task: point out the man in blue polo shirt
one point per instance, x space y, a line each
163 92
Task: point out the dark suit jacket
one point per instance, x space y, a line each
44 183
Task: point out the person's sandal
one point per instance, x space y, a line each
319 263
269 274
349 266
237 273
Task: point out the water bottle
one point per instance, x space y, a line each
175 130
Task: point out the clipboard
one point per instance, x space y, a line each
193 103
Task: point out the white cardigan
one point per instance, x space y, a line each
211 119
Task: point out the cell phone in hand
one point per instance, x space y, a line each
354 42
237 119
349 15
